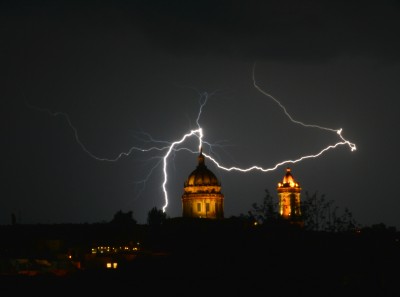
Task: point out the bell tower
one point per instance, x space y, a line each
289 197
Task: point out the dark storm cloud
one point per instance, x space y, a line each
247 29
282 29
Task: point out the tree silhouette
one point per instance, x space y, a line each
320 214
122 218
267 211
156 217
344 222
317 213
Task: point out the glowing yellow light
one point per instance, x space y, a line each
115 265
108 265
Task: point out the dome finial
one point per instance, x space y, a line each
201 157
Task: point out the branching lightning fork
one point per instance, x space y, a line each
170 147
343 141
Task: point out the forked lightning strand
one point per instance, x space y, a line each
174 146
77 139
338 131
344 141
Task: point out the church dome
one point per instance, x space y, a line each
202 197
202 176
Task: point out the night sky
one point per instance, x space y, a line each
133 73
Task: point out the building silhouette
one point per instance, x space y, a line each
202 197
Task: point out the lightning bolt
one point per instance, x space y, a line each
77 139
173 147
343 141
169 147
338 131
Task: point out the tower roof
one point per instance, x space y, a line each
202 176
288 180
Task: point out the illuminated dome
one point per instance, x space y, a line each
202 197
202 176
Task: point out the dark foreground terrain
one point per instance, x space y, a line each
235 259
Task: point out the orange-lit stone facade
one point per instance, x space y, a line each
289 197
202 197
